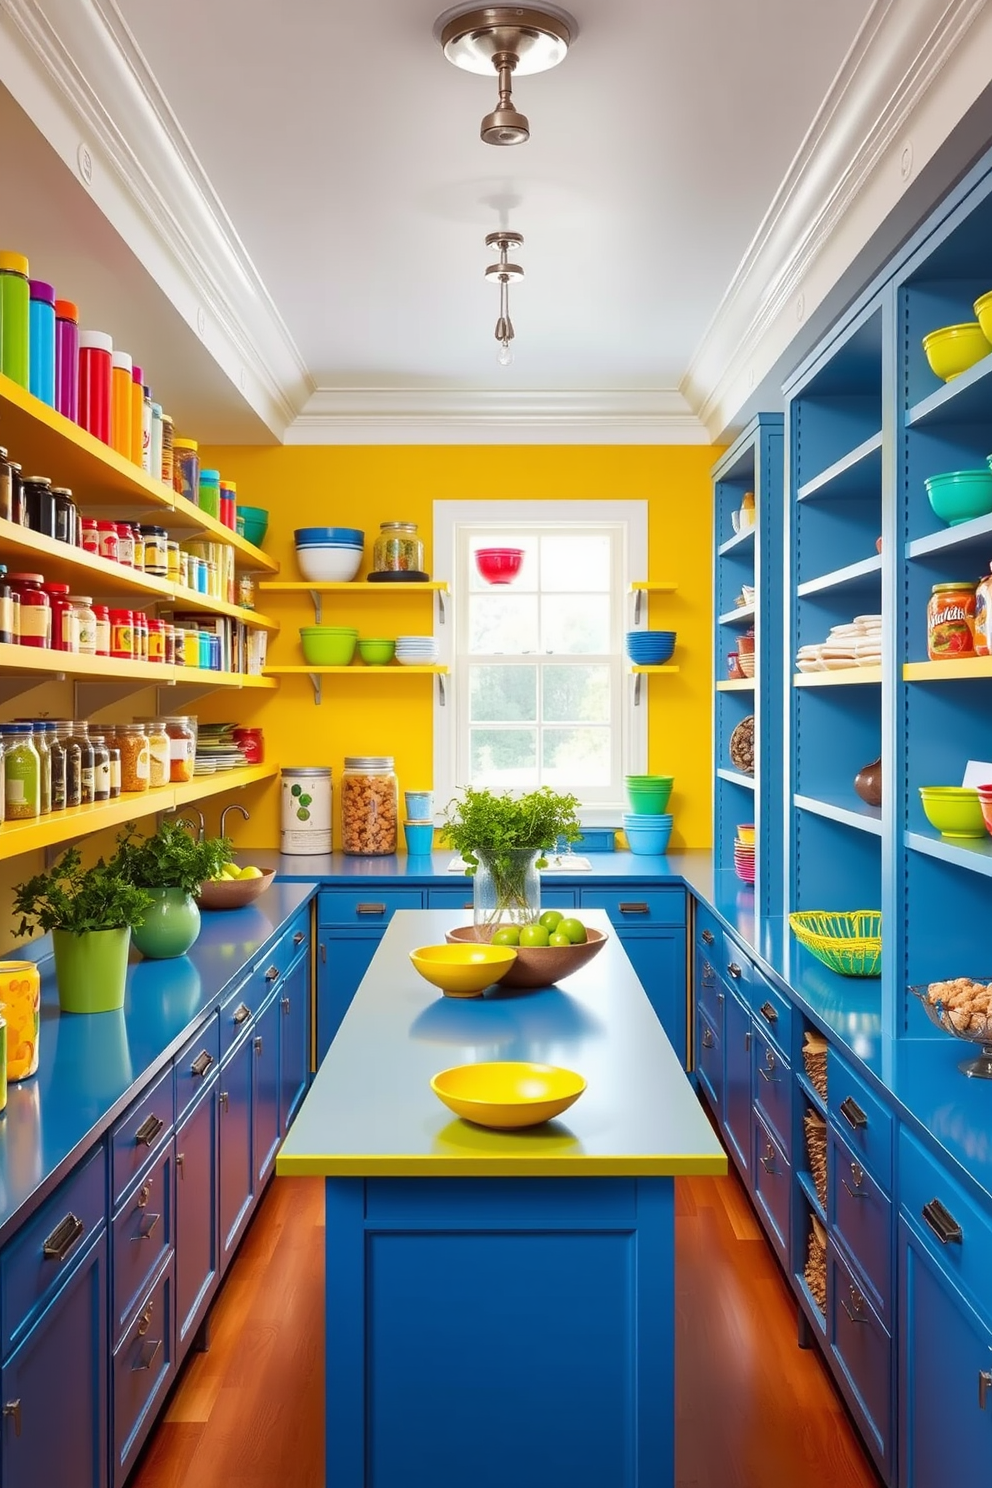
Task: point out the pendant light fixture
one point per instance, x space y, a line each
509 39
504 272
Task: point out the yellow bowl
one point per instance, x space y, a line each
953 349
507 1094
983 309
463 970
745 833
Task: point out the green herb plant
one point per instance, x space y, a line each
171 859
76 899
503 830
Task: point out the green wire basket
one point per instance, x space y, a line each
850 944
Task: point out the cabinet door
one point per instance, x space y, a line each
265 1089
55 1417
658 959
237 1184
709 1063
197 1231
342 961
945 1377
294 1041
737 1080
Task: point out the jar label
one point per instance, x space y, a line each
35 620
141 764
7 615
180 749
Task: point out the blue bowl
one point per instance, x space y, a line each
323 546
645 842
308 536
651 656
656 819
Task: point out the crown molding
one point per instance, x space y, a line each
76 69
495 416
904 85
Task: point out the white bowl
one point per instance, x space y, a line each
329 565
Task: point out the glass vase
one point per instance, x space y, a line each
506 888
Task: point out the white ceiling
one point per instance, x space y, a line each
345 150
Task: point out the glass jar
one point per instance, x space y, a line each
56 749
246 591
179 645
140 636
10 607
113 751
172 560
101 619
156 641
159 750
156 551
87 762
66 516
101 764
22 772
122 634
65 627
251 742
209 493
138 538
109 541
85 619
135 764
951 622
34 611
169 642
90 531
39 737
17 494
398 549
39 503
369 805
165 472
186 468
6 488
65 731
182 747
125 544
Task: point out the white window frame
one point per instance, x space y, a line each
449 516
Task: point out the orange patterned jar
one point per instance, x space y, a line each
951 622
20 1006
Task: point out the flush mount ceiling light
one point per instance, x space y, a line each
509 39
503 272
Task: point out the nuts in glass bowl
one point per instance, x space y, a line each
962 1006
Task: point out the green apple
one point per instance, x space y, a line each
551 919
575 931
534 935
507 935
250 872
557 939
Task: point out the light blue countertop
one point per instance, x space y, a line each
338 869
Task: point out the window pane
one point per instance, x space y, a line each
503 757
576 624
504 694
575 757
502 624
527 575
576 563
576 694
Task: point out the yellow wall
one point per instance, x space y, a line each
362 486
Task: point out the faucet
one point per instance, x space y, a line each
235 806
182 821
203 825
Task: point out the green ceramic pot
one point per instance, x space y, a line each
91 969
171 925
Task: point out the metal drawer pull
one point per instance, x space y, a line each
13 1408
707 1039
769 1013
149 1130
284 1004
225 1100
984 1385
272 973
299 937
858 1174
633 906
181 1165
857 1302
766 1071
241 1013
323 954
734 970
852 1113
145 1320
942 1222
747 1040
708 974
144 1194
370 909
64 1236
708 937
202 1063
768 1161
150 1225
258 1044
149 1351
469 904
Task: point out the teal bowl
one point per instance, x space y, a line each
376 652
323 649
960 495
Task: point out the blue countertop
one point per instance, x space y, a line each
340 868
92 1065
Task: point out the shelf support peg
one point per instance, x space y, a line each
316 682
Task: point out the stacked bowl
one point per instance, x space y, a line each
647 825
328 645
744 853
416 650
955 810
650 647
329 555
985 801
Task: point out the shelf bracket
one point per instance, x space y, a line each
440 610
318 609
316 682
638 596
637 689
440 691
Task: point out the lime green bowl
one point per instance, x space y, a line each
323 648
375 651
955 810
648 800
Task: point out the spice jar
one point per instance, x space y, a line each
101 622
181 730
135 768
951 621
369 805
6 488
165 471
156 641
90 535
101 765
186 468
109 541
17 494
172 561
122 634
179 645
125 544
87 780
251 742
22 772
398 549
34 610
155 456
114 753
10 606
36 493
159 749
56 749
82 607
156 551
66 516
140 636
73 761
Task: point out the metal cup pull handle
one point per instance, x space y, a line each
708 937
147 1355
299 937
149 1130
13 1408
984 1385
768 1012
370 909
58 1244
633 906
241 1013
202 1063
852 1113
943 1223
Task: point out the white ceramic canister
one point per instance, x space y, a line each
306 810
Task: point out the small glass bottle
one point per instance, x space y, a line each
66 516
39 737
113 750
158 754
57 750
101 616
73 761
6 488
82 608
87 783
101 764
10 606
22 772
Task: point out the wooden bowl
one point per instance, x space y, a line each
233 893
537 966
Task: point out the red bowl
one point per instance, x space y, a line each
986 804
499 565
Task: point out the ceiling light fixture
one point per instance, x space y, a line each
504 272
509 38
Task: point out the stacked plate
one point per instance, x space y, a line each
329 554
744 854
650 647
216 749
416 650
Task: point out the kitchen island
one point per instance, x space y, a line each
499 1306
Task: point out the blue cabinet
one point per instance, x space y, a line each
237 1179
342 960
294 1040
658 959
54 1387
737 1080
197 1220
265 1089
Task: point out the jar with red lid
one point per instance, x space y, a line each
125 544
91 535
109 546
64 633
101 618
35 613
96 356
140 636
122 634
251 742
10 608
156 640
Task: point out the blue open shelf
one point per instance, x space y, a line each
854 474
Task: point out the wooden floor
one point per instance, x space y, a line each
754 1411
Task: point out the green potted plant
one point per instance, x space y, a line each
502 839
170 866
91 913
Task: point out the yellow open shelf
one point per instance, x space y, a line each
947 671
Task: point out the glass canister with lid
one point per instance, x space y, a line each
22 772
398 549
369 805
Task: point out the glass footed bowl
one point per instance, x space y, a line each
949 1006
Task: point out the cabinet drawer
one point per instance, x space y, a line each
709 1062
772 1011
370 905
142 1371
278 958
195 1063
954 1229
707 931
46 1248
237 1011
637 906
771 1085
141 1132
142 1236
860 1117
862 1348
772 1177
861 1214
710 996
